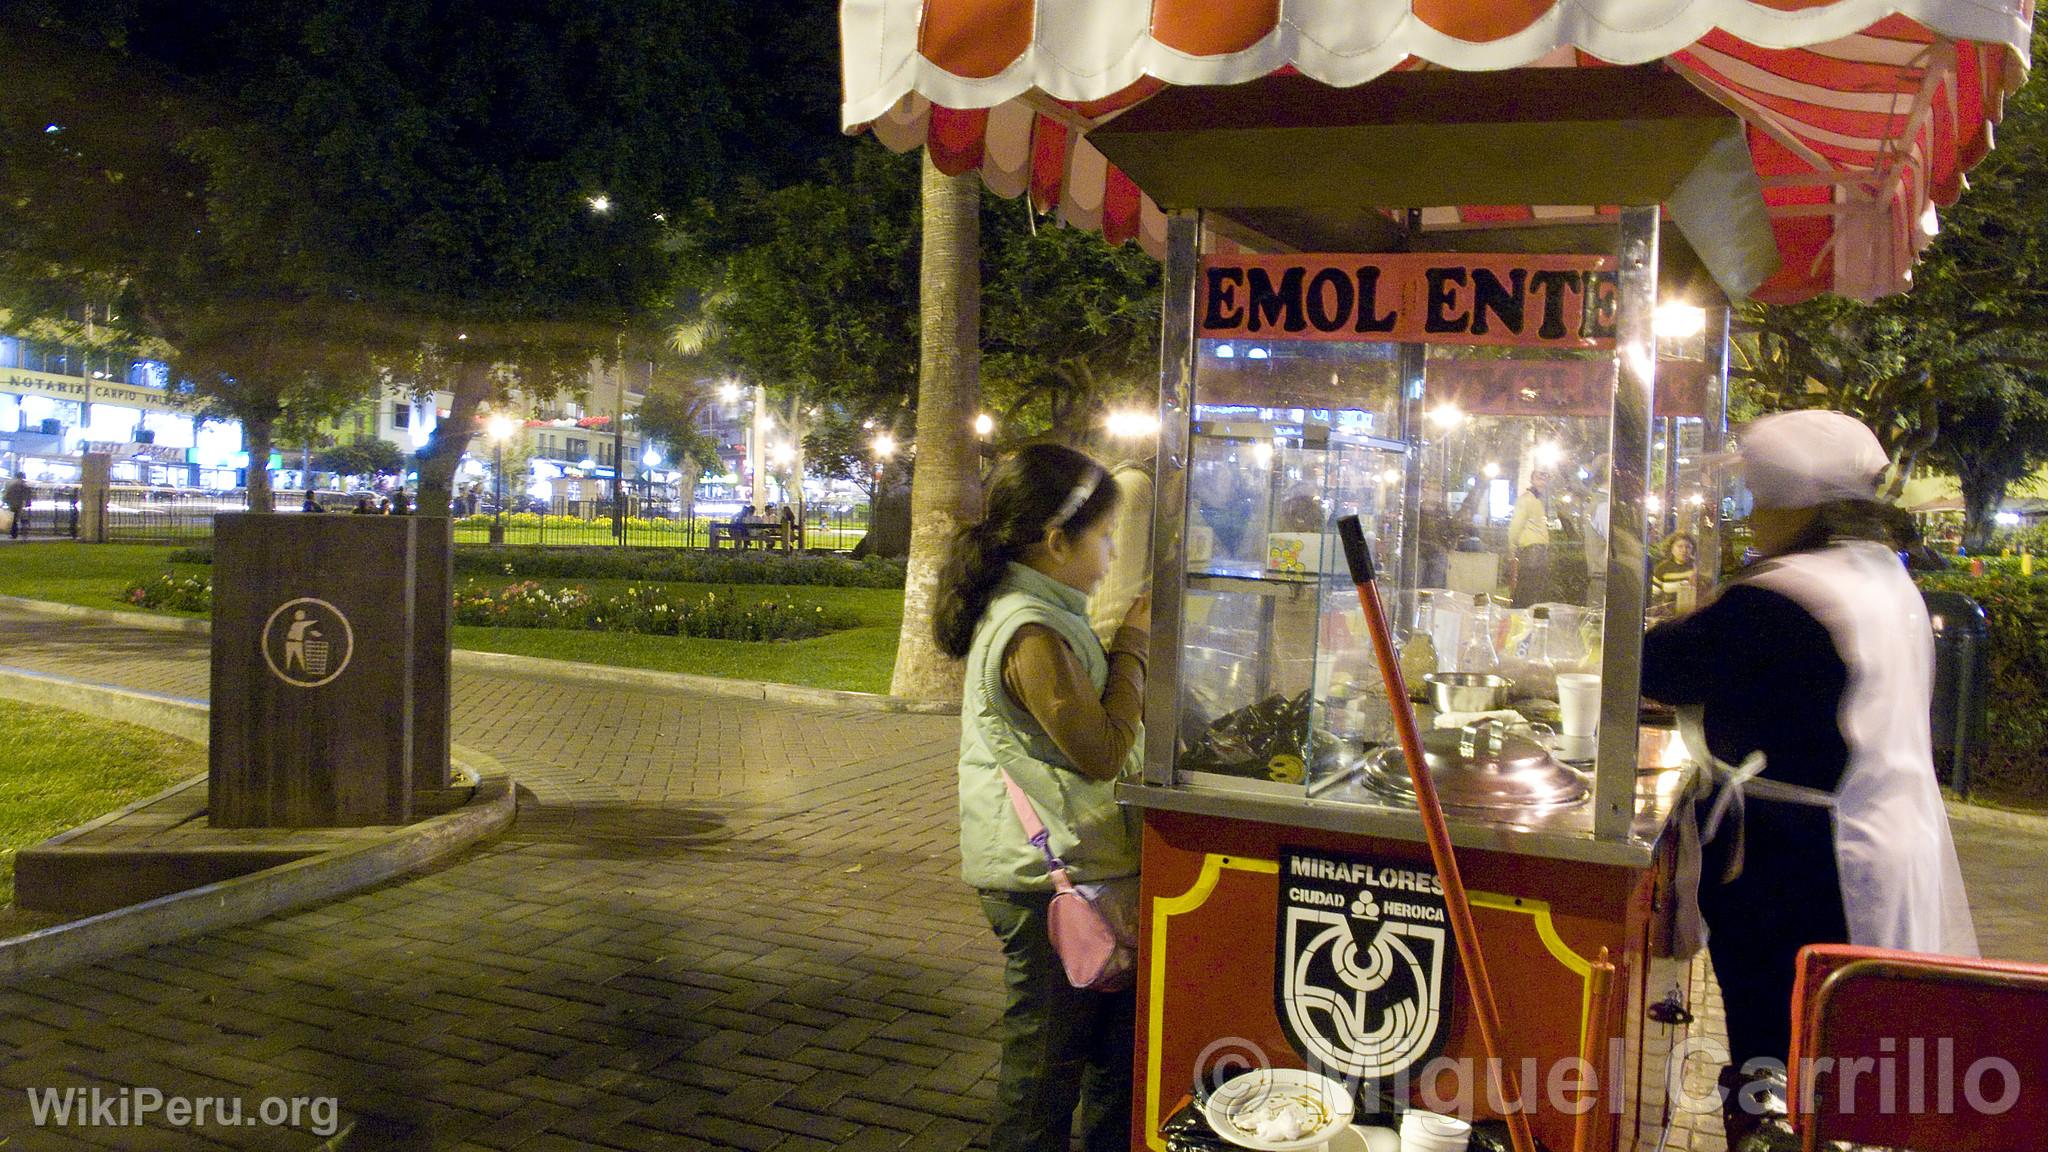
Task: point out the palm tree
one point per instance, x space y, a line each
945 489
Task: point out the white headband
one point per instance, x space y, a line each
1079 496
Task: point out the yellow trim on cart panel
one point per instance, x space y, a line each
1165 908
1546 931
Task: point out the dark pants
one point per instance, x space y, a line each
18 526
1062 1046
1532 575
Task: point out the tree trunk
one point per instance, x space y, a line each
443 453
258 430
1981 499
945 491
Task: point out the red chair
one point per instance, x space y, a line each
1927 1053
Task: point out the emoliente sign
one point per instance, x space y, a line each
1411 298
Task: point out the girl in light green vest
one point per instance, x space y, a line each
1047 704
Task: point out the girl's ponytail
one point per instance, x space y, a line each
967 583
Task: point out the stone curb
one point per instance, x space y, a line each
197 911
179 716
1997 817
555 669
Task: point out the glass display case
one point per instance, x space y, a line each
1483 474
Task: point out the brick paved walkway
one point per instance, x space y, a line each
717 923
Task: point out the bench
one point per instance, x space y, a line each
747 535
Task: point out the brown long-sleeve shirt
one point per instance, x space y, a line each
1094 731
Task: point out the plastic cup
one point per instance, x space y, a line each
1433 1132
1578 703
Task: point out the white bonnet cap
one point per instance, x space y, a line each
1800 459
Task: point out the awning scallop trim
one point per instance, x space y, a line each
1861 113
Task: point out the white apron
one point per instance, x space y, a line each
1901 885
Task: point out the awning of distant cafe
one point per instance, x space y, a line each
1842 122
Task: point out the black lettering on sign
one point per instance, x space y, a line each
1223 310
1330 287
1602 301
1369 319
1553 285
1281 307
1503 300
1442 297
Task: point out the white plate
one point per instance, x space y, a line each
1235 1109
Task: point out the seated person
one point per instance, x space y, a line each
1674 588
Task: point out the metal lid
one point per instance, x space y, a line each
1487 767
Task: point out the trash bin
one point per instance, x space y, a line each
1961 673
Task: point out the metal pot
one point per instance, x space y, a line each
1468 691
1486 767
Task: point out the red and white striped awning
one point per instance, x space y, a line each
1860 114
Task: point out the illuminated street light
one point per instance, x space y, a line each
1132 424
1446 416
500 428
650 458
600 204
729 392
1549 453
782 453
984 424
1491 470
1678 321
884 445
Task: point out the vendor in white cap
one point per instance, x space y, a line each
1820 658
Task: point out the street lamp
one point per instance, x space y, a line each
884 446
501 427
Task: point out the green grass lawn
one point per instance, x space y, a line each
858 659
59 769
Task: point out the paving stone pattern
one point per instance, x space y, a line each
716 923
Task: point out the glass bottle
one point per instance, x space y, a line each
1476 652
1418 653
1538 674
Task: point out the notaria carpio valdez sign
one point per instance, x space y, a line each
1411 298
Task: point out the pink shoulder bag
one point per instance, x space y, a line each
1093 927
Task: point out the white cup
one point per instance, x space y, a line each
1578 703
1433 1132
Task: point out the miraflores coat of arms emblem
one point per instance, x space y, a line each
1365 963
307 642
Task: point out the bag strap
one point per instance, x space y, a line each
1034 828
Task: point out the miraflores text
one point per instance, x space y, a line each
97 1107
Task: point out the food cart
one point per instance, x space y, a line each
1396 288
1293 916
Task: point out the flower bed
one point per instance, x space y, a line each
180 594
645 610
679 566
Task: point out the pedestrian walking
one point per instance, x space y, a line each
1819 659
17 498
1529 542
401 503
1048 707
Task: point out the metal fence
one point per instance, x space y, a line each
52 512
833 532
166 515
169 515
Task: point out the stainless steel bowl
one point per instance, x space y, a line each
1468 691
